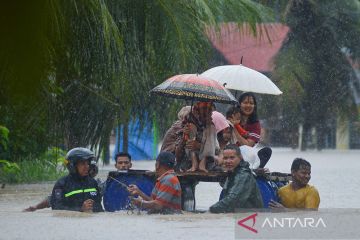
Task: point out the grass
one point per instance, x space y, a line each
31 170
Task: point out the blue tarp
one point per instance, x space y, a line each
142 145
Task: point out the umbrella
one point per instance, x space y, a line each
194 87
239 77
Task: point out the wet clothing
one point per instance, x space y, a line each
172 136
206 136
254 130
306 197
240 191
70 192
167 191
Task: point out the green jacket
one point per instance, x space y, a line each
240 191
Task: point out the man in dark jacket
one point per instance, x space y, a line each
77 191
240 189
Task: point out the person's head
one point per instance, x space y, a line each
225 135
77 161
233 113
248 106
219 121
164 162
82 168
231 157
203 111
184 112
301 172
123 161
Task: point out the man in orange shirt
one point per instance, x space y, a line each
298 193
166 195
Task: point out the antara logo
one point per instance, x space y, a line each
285 222
242 221
291 222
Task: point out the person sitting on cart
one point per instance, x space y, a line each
175 132
240 189
298 193
166 195
245 120
199 139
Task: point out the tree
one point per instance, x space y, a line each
164 38
79 68
313 67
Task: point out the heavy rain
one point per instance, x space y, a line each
216 97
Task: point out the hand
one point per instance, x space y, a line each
30 209
261 171
134 190
186 129
87 205
275 205
193 145
137 201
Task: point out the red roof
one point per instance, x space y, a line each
257 52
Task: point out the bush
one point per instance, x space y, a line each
4 140
48 167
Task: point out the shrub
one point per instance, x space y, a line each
48 167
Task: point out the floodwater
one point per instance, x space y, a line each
335 173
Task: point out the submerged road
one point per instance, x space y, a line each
334 173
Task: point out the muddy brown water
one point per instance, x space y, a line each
334 173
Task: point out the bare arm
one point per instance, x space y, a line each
134 190
148 204
243 141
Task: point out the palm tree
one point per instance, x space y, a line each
91 63
50 48
312 67
163 38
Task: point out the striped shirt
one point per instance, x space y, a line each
254 130
167 191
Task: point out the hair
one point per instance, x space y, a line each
184 112
253 117
233 147
232 110
219 136
295 166
166 159
122 154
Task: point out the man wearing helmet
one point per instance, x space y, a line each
77 191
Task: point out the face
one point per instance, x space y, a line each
204 113
227 134
301 176
247 106
231 159
123 163
236 116
82 168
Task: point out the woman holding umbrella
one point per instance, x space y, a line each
247 126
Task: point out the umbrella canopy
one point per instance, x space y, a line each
194 87
239 77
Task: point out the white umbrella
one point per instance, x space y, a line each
239 77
